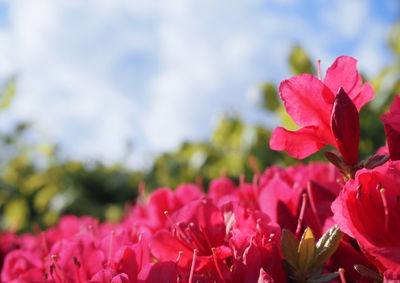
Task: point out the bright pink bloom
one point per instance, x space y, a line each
109 276
219 188
255 242
76 259
131 259
310 102
367 210
391 122
67 227
165 271
8 242
392 276
198 225
280 194
151 214
22 266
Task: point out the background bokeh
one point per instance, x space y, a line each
101 96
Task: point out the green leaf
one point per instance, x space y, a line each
271 98
300 63
289 246
394 38
8 93
327 246
306 250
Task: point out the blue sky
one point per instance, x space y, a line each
94 74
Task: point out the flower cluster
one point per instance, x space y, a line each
264 231
230 234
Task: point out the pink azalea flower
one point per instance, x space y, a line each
367 210
199 225
324 111
22 266
391 122
221 187
281 190
74 260
255 242
109 276
151 214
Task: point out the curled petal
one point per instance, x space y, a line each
366 95
298 144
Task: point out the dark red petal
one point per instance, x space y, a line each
345 126
391 122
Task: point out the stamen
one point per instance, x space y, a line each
205 236
386 209
194 237
258 226
263 240
341 274
133 230
51 270
110 248
255 181
169 218
43 243
36 228
332 171
180 253
271 237
177 228
241 180
141 191
57 268
359 192
223 173
195 251
313 206
302 210
77 267
216 265
179 279
378 187
90 228
254 165
199 182
319 70
171 222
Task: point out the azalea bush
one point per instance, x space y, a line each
332 221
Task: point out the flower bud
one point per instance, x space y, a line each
345 125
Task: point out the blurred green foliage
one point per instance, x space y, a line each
36 193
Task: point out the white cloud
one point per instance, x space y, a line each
370 59
346 17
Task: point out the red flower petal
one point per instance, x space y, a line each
391 122
308 101
301 143
343 73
